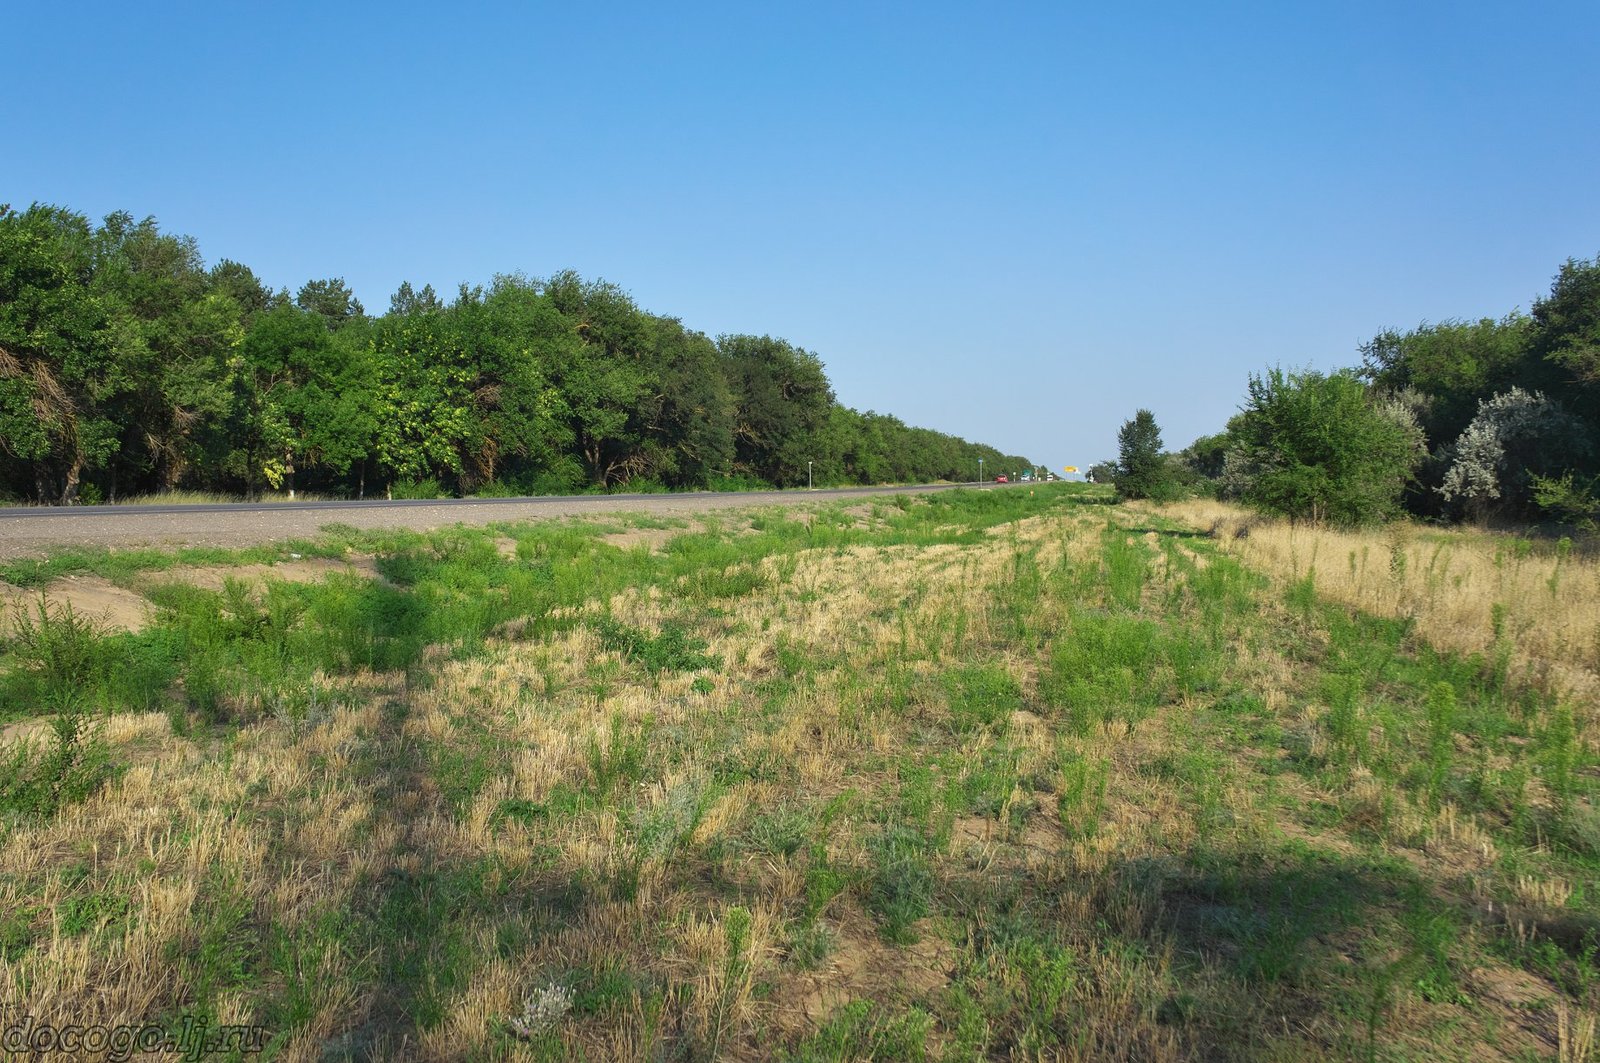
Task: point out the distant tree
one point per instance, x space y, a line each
127 365
408 300
239 283
1206 455
1322 448
65 352
331 300
1142 472
1452 366
605 376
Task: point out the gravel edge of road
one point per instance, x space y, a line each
36 533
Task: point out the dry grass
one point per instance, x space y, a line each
1467 591
727 861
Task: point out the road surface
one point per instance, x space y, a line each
31 531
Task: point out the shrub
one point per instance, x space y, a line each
1500 461
408 489
1321 448
673 650
38 780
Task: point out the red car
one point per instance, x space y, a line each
1001 479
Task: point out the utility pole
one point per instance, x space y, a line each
808 476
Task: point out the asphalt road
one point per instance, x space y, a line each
27 531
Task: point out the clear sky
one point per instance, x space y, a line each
1018 223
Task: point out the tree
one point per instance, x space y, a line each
407 300
781 396
239 283
1322 448
64 352
1517 439
1567 334
1453 365
1141 470
128 365
605 377
332 300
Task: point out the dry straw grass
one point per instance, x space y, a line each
1469 591
826 692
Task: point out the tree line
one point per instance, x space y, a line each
1495 420
128 366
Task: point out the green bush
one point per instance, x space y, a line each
409 489
673 650
58 646
38 780
1322 448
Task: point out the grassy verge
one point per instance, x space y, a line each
977 775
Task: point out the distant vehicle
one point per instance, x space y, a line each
1001 479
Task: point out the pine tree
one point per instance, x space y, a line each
1141 470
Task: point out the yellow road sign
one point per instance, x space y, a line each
1070 468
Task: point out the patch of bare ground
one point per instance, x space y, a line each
308 570
90 597
647 539
861 965
1524 1011
112 608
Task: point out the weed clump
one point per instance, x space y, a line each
673 650
981 698
39 780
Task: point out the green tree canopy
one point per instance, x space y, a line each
1141 470
1323 448
126 365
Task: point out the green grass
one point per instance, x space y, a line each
1075 783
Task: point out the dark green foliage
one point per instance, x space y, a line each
38 780
1141 470
672 650
126 368
1454 364
1321 448
1567 335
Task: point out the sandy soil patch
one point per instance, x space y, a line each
651 539
310 570
861 964
92 597
36 729
114 608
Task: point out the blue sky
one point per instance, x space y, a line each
1016 223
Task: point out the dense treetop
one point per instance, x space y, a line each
128 366
1489 420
